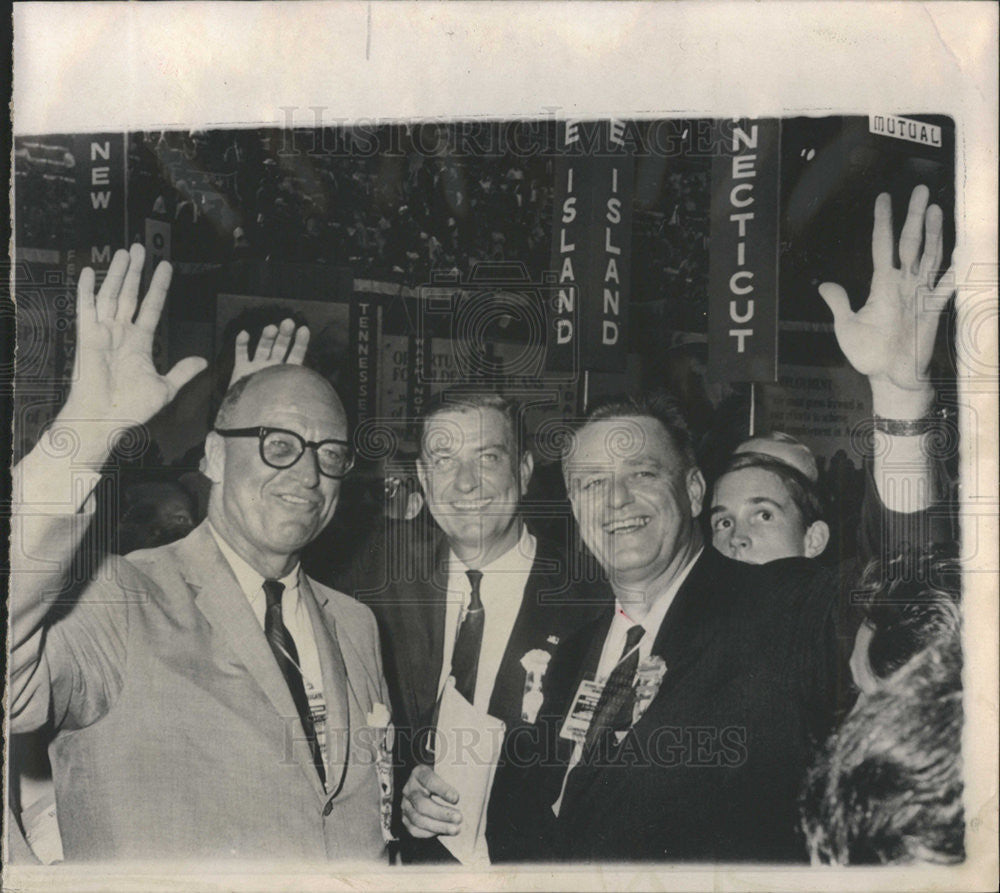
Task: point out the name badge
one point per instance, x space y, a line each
379 721
585 702
648 679
317 710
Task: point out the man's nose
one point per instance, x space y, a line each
467 477
620 493
306 468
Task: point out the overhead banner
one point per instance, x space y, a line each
99 222
587 322
743 256
366 327
99 170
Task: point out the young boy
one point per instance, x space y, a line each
764 508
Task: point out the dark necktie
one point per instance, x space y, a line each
465 657
613 712
287 656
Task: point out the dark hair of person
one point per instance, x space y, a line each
888 788
657 405
908 612
804 493
463 400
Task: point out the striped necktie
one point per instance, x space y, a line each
287 656
613 712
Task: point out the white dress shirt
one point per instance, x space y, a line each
614 642
501 591
293 613
621 623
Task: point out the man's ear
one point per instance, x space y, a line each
527 467
696 490
422 475
414 503
815 539
215 458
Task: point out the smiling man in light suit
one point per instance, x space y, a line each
211 701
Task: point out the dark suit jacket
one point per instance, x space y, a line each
711 771
411 620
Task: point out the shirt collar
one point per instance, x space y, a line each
251 582
518 558
654 618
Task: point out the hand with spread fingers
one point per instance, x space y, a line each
891 338
277 344
115 379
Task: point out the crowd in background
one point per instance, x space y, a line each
409 208
45 193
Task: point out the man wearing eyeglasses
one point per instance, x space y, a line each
210 700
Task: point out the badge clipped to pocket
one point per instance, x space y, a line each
379 722
648 679
535 663
581 713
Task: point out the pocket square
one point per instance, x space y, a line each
378 717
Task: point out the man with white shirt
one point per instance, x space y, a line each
210 700
679 725
498 595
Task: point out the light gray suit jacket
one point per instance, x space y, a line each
178 737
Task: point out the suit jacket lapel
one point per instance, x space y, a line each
692 619
436 613
508 689
225 606
335 684
430 611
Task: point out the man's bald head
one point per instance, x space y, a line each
276 379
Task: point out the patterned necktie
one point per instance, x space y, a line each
287 656
465 657
613 712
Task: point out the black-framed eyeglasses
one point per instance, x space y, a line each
280 448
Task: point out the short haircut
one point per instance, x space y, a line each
657 405
465 400
888 788
804 493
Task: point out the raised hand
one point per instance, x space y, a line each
116 381
891 338
277 344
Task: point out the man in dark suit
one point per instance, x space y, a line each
497 593
678 726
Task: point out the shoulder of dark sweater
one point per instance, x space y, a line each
799 596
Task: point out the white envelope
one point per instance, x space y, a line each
466 750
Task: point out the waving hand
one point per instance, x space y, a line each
115 376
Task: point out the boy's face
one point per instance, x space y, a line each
754 519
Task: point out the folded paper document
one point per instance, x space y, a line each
466 751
